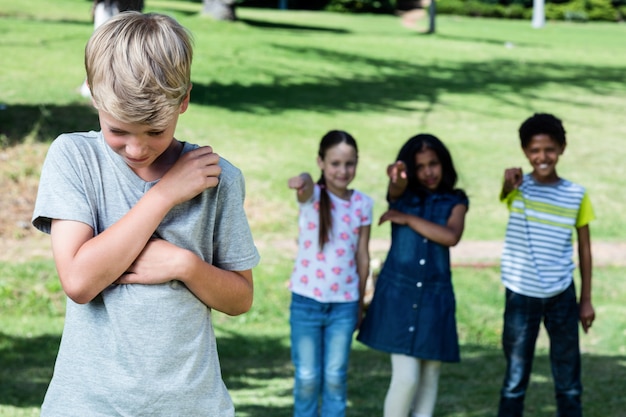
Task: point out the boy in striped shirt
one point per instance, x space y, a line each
537 269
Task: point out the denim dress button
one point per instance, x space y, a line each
414 306
422 261
411 329
419 285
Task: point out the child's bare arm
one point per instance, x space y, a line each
397 180
303 184
512 180
362 265
161 261
88 264
448 235
230 292
587 313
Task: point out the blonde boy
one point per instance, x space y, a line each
148 236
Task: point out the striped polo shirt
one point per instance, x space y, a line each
537 255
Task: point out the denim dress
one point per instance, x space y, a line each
413 309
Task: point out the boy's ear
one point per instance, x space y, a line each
185 103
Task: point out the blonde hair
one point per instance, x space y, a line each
139 67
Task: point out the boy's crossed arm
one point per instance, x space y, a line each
125 253
161 261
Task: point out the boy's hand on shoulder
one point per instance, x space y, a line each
193 173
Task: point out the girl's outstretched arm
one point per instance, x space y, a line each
303 184
397 180
448 235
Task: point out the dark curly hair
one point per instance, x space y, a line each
542 123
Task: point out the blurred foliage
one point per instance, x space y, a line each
572 10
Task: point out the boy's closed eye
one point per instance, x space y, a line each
118 132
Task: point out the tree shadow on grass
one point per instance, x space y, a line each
392 84
26 16
44 122
265 24
257 371
471 387
26 368
485 40
379 84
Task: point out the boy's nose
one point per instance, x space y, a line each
134 148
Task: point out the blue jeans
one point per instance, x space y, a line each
321 337
522 319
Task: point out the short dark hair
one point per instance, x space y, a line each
542 123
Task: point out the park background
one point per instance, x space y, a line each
266 88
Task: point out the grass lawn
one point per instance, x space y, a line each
254 348
266 89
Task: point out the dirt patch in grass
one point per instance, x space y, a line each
20 167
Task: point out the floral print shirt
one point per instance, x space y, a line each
330 275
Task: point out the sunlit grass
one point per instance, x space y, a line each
266 89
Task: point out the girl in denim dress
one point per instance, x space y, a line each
412 314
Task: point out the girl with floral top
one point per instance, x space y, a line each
328 279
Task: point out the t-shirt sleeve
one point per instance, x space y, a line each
61 193
585 212
509 198
464 200
367 211
234 248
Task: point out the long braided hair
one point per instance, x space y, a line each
330 139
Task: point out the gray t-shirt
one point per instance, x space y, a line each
140 350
